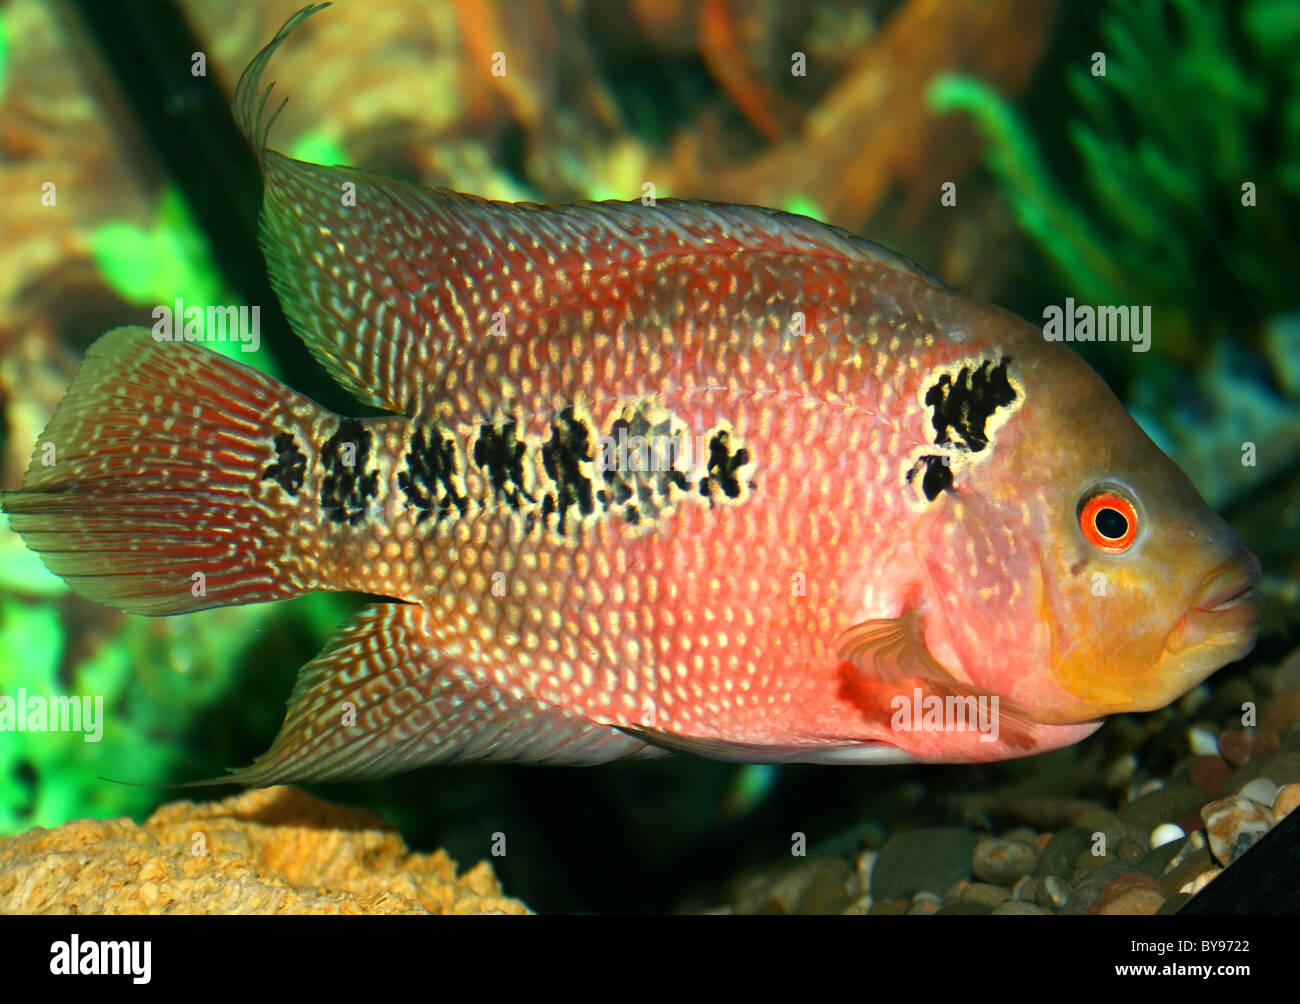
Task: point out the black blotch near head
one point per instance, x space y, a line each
937 475
963 406
723 465
345 488
290 465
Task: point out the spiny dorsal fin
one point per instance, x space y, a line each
249 107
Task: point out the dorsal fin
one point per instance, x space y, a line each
383 278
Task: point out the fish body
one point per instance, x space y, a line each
686 476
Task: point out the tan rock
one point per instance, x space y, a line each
270 850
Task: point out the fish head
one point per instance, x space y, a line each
1076 569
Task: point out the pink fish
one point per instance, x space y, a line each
689 476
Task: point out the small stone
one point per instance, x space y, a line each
1026 889
1018 908
1053 893
1281 768
1001 862
1022 833
1089 887
924 904
1195 842
1240 746
1173 904
1288 798
932 858
965 909
1260 790
1156 861
1201 881
1233 824
863 865
1202 741
1166 833
1170 802
985 894
1059 855
889 908
1208 773
1130 850
814 888
1121 770
1133 894
859 907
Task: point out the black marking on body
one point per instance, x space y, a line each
562 457
643 488
960 409
429 479
346 488
500 452
964 406
290 466
937 476
723 465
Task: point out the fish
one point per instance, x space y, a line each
648 477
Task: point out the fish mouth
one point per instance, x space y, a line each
1227 602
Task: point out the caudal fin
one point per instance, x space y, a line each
164 480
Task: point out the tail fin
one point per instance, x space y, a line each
166 479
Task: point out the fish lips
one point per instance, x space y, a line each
1226 606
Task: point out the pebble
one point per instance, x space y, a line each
1175 878
859 907
1208 773
863 865
932 858
1018 908
1053 893
1240 746
966 909
1173 904
1202 741
1288 798
1281 768
888 908
1002 862
985 894
812 888
1089 887
1059 855
924 903
1163 806
1133 894
1200 882
1233 824
1260 790
1026 889
1130 850
1166 833
1155 862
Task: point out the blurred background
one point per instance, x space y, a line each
1171 179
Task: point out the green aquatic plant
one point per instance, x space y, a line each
156 678
156 265
1189 152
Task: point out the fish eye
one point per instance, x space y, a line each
1109 521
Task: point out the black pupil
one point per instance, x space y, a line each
1111 523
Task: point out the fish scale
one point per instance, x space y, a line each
876 550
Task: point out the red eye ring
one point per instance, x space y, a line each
1109 522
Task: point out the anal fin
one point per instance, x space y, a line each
379 700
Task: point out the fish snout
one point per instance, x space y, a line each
1226 603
